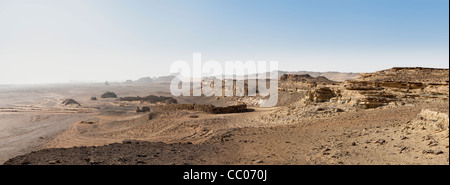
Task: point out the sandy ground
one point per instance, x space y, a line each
165 127
108 132
22 132
31 116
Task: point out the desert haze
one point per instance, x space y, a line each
393 116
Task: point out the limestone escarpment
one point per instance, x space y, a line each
400 84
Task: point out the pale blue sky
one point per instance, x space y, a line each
62 40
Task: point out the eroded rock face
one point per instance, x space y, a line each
294 83
426 82
432 120
369 92
398 84
323 94
367 98
408 74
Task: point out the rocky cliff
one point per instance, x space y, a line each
399 85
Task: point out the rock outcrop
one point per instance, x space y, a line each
409 74
144 109
300 99
432 120
69 102
150 99
204 108
144 80
305 78
323 94
399 84
109 94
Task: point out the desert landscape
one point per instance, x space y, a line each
394 116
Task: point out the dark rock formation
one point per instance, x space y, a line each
150 99
204 108
144 109
70 102
109 95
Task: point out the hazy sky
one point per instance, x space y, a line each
58 41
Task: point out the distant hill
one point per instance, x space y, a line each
164 79
144 80
333 76
304 78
